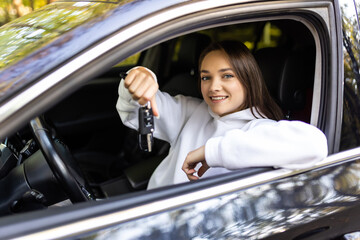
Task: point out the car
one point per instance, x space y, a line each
69 168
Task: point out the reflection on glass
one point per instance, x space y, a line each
351 41
42 29
24 35
252 213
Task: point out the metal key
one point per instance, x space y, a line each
146 128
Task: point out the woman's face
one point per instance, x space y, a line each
220 87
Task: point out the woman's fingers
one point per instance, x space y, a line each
190 174
189 170
142 87
204 167
144 91
192 177
191 161
154 107
137 82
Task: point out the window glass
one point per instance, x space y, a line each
130 61
350 136
27 34
270 36
254 35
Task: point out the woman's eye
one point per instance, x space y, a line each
228 76
204 78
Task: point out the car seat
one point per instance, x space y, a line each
289 76
185 69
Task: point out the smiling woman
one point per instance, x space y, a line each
251 93
222 90
232 118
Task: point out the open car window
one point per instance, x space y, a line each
108 154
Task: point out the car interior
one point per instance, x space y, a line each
106 153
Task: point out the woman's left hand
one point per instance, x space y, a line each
192 159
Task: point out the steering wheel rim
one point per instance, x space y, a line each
71 186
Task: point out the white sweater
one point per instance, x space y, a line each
237 140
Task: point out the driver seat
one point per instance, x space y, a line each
289 76
185 79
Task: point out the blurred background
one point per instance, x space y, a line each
11 9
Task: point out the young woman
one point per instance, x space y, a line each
236 125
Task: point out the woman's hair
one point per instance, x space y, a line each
248 72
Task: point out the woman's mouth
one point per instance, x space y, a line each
218 98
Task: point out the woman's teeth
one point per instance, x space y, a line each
217 98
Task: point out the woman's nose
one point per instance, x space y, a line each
215 85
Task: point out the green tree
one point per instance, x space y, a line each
12 9
351 44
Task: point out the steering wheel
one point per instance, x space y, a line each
61 162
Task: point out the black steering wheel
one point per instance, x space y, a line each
61 162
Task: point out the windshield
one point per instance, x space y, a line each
23 36
22 39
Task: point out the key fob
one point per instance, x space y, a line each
146 125
146 128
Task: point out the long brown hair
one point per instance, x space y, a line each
248 72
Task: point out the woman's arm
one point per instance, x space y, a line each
287 144
139 87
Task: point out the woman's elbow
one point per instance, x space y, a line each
316 147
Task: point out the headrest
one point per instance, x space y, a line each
288 74
271 62
191 47
297 77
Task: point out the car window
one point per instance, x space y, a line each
130 61
270 41
94 104
350 137
253 35
87 120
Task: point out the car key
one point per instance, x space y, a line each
146 125
146 128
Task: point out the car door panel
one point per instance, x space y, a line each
319 204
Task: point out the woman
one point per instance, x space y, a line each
235 126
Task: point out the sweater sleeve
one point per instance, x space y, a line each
174 112
287 144
127 107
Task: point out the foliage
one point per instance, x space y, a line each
24 35
351 42
12 9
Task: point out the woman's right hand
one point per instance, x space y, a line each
142 87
